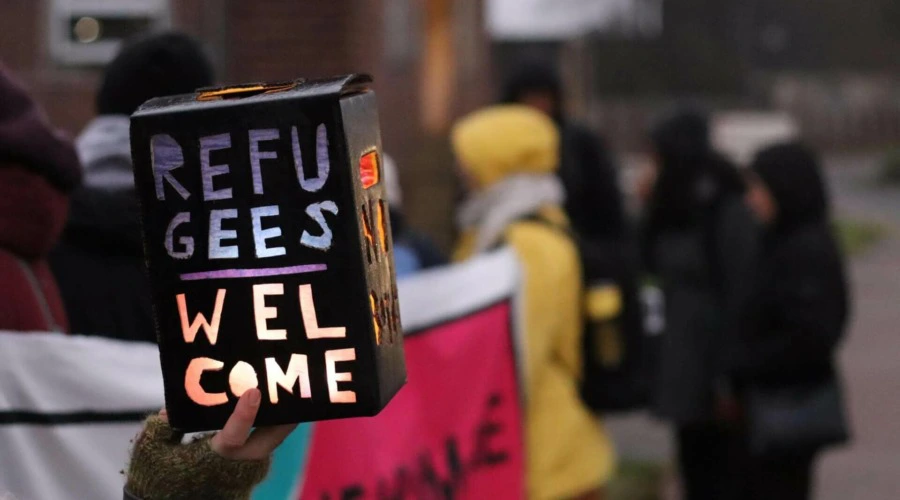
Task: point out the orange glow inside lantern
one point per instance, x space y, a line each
368 169
374 306
382 227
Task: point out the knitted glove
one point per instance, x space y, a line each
162 468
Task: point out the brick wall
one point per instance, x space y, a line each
285 39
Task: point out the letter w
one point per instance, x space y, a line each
211 329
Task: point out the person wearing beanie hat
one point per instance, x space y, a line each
508 156
99 263
412 250
801 311
38 170
155 65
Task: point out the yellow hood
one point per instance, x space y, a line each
499 141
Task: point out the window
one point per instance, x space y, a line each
89 32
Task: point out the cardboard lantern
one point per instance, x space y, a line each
268 243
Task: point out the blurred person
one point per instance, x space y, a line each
227 464
699 241
508 156
412 250
800 314
587 170
38 170
99 263
615 375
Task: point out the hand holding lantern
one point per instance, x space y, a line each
226 465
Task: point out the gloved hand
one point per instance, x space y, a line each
226 465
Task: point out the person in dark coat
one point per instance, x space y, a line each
801 303
38 170
100 261
699 241
587 170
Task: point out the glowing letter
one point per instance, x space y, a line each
186 241
322 242
241 378
333 377
207 144
367 233
256 136
311 323
323 164
263 313
297 371
260 235
217 234
192 378
166 156
211 329
382 225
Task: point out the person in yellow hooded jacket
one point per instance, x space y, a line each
508 156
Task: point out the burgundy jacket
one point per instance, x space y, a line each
32 214
38 169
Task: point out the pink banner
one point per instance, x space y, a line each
454 431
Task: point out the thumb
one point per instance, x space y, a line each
237 429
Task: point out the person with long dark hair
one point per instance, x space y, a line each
699 241
784 362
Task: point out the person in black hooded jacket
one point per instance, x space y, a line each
801 304
699 241
99 262
587 171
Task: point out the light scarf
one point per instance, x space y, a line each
489 212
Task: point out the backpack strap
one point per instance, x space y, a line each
537 218
38 292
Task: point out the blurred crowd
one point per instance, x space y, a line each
755 296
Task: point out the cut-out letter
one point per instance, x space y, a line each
207 171
189 331
382 226
166 156
260 235
262 313
217 234
333 376
297 372
192 384
322 242
186 241
311 323
376 320
323 165
367 233
257 136
241 378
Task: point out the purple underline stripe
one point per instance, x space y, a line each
253 273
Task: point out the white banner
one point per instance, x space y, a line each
70 405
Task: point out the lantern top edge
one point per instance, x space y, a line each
245 93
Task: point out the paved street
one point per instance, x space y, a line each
870 468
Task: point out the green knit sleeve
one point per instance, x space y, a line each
161 468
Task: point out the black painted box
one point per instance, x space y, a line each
268 244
